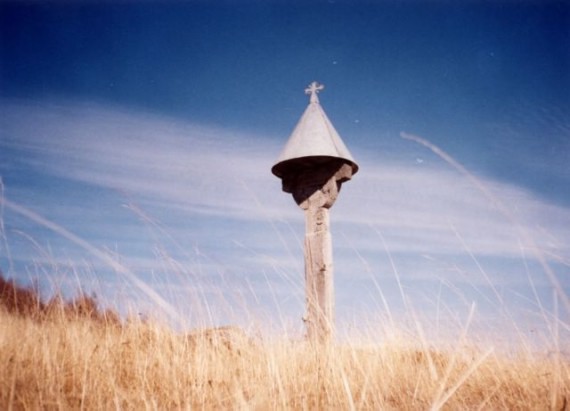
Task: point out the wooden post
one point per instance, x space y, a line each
315 197
319 286
313 165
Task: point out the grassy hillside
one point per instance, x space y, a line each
72 356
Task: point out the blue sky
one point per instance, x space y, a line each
136 141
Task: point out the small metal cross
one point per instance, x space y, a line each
313 90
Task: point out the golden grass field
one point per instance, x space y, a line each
70 355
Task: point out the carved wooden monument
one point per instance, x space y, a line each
312 166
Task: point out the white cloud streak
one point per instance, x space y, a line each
211 172
210 191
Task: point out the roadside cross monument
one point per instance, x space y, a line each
313 166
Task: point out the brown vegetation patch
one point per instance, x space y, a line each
26 302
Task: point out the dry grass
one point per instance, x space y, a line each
70 358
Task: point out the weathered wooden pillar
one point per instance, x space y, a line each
315 199
319 286
313 166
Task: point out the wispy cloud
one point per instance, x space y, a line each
149 186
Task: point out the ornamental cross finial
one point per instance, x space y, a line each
313 90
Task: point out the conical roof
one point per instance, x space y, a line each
313 141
